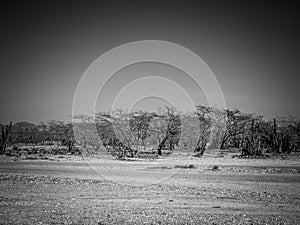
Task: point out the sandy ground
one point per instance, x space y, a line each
100 190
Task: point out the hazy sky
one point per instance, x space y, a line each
253 50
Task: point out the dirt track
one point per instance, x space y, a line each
104 191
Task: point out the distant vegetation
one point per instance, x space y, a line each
132 134
52 133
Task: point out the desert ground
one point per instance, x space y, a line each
176 189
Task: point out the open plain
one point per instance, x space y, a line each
179 189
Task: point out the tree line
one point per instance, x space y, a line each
126 134
51 133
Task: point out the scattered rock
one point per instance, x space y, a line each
159 167
190 166
215 167
199 155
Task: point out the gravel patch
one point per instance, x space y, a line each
28 199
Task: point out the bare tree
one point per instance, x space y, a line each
171 140
5 132
114 132
139 125
236 122
204 116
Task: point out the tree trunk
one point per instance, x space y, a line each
161 146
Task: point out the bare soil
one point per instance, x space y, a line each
180 189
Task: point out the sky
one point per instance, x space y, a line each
252 49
